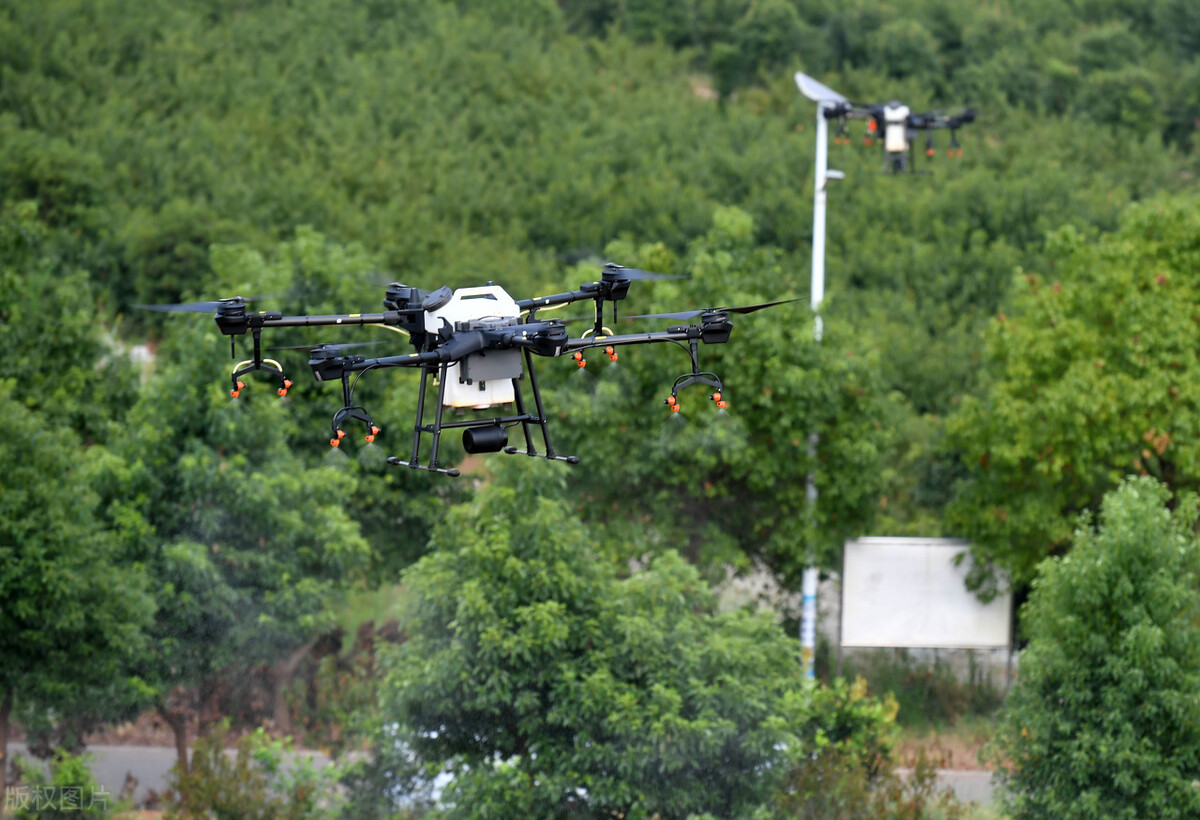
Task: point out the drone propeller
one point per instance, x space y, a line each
197 307
615 271
692 314
337 345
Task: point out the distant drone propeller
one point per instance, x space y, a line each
692 314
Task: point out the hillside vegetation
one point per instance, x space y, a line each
308 153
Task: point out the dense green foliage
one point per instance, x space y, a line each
727 485
1093 377
1104 721
257 781
68 792
459 143
247 546
550 682
308 152
73 611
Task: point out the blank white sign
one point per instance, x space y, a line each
908 592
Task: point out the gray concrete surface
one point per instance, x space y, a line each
150 765
973 786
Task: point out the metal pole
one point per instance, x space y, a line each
820 175
823 97
808 615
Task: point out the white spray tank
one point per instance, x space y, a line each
895 127
485 378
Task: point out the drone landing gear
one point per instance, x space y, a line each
540 418
398 463
513 451
488 435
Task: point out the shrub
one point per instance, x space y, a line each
928 693
255 783
1105 721
70 792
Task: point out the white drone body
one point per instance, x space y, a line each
482 379
895 129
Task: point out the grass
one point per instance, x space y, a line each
948 746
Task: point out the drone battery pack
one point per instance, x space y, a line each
482 379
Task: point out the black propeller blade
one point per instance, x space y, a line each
692 314
195 307
338 345
616 271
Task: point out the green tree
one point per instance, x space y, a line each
248 547
1104 721
310 274
904 48
1092 376
548 680
73 371
730 485
71 614
72 611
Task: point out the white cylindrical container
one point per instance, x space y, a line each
895 129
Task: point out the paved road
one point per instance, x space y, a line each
150 765
971 786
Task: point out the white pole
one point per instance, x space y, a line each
808 613
820 178
823 96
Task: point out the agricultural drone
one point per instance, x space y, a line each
894 124
477 345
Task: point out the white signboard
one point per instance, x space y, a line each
908 592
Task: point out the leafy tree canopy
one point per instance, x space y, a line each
545 676
728 485
1090 378
1104 720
